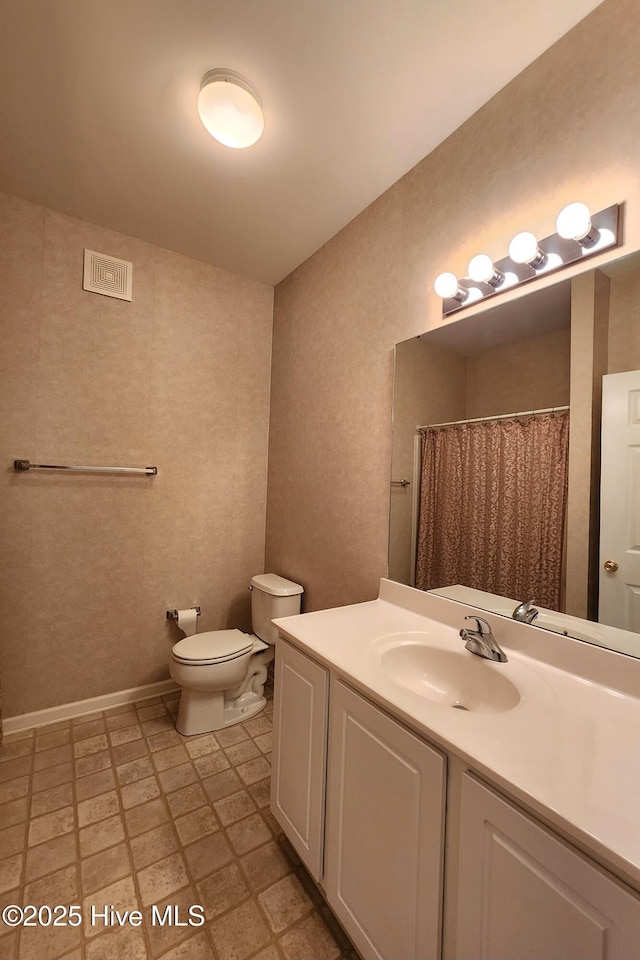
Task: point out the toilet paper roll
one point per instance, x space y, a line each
187 621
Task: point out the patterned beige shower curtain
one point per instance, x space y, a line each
492 506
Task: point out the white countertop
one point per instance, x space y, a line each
569 750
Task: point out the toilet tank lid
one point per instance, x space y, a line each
275 585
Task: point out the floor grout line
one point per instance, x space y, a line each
293 908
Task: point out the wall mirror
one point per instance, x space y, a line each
543 357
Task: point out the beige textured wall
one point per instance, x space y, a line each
179 378
531 374
624 323
590 295
568 128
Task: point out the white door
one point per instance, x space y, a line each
301 693
619 586
385 832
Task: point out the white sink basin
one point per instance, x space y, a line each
461 680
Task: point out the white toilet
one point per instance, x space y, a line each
222 673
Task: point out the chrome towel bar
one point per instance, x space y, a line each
27 465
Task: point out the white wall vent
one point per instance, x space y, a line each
107 275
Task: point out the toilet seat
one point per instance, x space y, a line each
215 646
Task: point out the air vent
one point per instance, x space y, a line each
107 275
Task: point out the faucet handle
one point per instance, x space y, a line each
483 627
482 641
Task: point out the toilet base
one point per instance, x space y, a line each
235 712
204 712
204 708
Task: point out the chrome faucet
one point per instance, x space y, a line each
482 642
525 612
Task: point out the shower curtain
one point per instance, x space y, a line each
492 506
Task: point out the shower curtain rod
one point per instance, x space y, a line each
502 416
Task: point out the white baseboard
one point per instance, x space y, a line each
79 707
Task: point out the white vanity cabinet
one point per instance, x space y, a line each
525 894
362 799
385 831
381 860
299 760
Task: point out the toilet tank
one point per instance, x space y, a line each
272 596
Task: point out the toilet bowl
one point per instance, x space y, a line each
222 672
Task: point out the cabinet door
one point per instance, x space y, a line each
300 753
385 820
525 894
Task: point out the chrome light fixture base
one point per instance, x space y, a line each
558 253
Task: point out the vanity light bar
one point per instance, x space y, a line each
579 235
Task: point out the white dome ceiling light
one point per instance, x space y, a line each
230 109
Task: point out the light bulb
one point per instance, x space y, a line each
482 269
574 223
446 286
229 109
524 249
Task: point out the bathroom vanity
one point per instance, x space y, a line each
453 807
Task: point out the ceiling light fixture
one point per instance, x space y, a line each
230 109
580 234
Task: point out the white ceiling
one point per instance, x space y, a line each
98 109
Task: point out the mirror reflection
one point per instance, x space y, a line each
495 484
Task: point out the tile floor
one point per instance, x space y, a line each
119 810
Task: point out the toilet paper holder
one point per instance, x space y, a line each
173 614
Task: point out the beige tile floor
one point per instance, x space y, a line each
119 810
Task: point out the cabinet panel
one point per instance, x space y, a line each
524 894
299 753
385 819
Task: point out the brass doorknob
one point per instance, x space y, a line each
610 566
